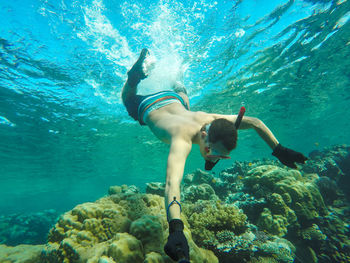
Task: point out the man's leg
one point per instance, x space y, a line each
135 75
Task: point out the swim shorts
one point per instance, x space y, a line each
139 106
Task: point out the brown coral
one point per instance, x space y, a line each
208 218
124 227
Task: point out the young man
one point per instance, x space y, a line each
168 116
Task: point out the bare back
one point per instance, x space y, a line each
174 120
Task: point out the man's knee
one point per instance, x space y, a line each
127 92
125 97
178 88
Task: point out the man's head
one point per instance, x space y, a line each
224 132
219 138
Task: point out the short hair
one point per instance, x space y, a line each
224 131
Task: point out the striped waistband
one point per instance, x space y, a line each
150 102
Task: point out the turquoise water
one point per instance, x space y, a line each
65 136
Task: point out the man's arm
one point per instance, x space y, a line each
179 150
263 131
256 124
177 246
285 155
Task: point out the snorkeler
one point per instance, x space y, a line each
168 115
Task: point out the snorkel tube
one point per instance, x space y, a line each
239 117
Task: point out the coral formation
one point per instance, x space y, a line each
20 254
198 177
26 228
207 219
253 212
224 229
199 192
289 204
123 189
149 230
124 227
334 163
291 198
155 188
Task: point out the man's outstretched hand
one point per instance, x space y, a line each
288 157
177 247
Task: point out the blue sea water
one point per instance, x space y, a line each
65 136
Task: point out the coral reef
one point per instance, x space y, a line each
123 227
253 212
224 229
250 247
308 210
155 188
334 163
149 230
199 177
207 219
291 198
193 193
29 228
20 253
123 189
204 183
307 207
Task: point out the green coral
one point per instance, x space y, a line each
292 201
278 217
282 251
313 233
198 177
207 219
149 230
307 201
197 192
125 248
20 253
274 224
124 227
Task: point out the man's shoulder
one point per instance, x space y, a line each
202 117
185 127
